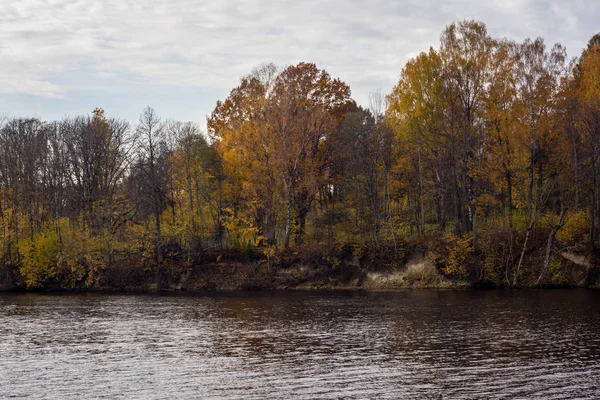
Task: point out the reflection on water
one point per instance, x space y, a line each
415 344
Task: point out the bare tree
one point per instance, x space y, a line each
152 150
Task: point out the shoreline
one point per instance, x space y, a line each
414 268
250 277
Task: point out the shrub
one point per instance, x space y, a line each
39 257
459 252
575 230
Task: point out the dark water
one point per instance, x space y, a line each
413 344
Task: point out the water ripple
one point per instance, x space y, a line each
413 344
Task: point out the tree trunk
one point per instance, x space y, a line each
509 198
555 228
421 205
530 187
529 229
288 222
475 225
157 228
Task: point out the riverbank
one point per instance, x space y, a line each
236 271
250 276
417 273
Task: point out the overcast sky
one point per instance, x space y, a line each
60 57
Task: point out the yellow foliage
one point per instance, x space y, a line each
576 228
459 250
39 258
82 255
140 240
269 252
241 231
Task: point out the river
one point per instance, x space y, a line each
408 344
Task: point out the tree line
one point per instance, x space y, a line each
485 156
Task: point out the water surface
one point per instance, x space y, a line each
410 344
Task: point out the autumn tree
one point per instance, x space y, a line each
272 133
416 111
466 50
23 144
192 183
150 180
240 133
585 95
538 75
303 115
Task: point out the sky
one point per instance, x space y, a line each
67 57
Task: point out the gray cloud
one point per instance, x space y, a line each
163 51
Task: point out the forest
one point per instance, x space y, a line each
484 158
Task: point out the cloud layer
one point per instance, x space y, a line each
65 56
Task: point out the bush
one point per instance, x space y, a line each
460 251
452 254
575 230
39 258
